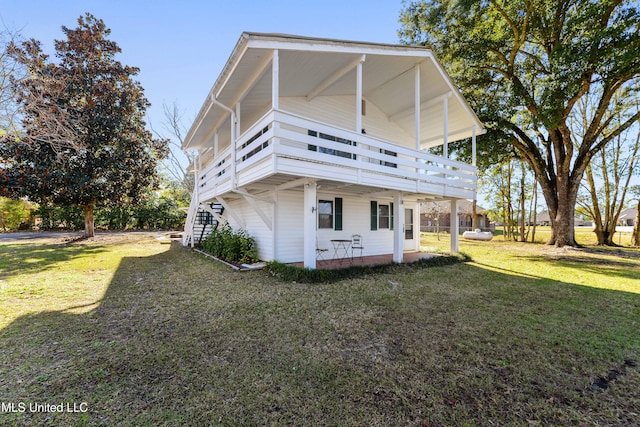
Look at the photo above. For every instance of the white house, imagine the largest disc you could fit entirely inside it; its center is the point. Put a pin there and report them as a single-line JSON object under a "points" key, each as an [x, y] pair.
{"points": [[302, 141]]}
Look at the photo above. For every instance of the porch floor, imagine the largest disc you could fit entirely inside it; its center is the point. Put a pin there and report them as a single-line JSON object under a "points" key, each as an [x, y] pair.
{"points": [[332, 264]]}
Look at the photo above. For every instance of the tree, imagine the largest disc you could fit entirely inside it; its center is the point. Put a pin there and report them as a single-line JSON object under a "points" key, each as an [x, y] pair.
{"points": [[608, 177], [97, 150], [177, 174], [524, 65]]}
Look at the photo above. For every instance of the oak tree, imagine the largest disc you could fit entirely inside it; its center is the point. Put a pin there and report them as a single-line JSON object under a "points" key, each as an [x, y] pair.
{"points": [[524, 65]]}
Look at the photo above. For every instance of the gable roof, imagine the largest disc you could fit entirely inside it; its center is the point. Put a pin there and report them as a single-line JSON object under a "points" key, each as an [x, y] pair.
{"points": [[307, 62]]}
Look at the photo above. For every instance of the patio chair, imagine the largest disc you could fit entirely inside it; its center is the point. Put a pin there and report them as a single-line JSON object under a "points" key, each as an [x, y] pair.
{"points": [[320, 252], [356, 244]]}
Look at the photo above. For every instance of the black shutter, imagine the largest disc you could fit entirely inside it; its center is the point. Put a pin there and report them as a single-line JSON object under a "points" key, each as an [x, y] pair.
{"points": [[374, 215], [338, 213]]}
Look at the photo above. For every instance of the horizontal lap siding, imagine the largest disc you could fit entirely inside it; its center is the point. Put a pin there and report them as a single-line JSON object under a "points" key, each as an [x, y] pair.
{"points": [[254, 225], [289, 226], [340, 111], [355, 214]]}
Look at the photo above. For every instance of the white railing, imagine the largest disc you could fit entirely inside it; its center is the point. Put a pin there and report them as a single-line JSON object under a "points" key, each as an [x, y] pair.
{"points": [[287, 135]]}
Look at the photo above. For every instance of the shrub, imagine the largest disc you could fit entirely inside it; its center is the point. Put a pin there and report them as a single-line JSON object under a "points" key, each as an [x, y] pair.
{"points": [[291, 273], [232, 246]]}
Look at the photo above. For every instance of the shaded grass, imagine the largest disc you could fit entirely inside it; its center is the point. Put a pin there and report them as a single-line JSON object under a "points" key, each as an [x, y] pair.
{"points": [[519, 336]]}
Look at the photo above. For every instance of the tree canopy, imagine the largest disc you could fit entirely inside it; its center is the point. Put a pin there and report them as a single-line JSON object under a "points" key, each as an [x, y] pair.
{"points": [[83, 140], [524, 65]]}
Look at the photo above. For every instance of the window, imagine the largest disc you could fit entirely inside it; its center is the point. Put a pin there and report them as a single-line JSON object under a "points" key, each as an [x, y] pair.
{"points": [[330, 213], [389, 153], [259, 147], [330, 150], [383, 216], [325, 214]]}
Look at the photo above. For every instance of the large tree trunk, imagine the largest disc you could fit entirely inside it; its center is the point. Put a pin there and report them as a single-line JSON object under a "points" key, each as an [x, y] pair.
{"points": [[89, 230], [562, 205], [635, 238]]}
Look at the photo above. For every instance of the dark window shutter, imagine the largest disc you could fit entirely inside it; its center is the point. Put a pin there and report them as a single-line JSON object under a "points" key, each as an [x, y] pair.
{"points": [[391, 216], [338, 213], [374, 215]]}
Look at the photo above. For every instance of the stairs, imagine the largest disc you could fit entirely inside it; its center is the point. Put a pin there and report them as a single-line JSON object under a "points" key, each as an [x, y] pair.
{"points": [[204, 222]]}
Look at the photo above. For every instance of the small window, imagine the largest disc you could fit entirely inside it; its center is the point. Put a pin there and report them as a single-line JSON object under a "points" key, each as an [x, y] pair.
{"points": [[383, 216], [325, 214]]}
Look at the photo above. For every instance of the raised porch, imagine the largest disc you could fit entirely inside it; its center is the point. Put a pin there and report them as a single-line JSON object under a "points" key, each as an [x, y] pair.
{"points": [[281, 148]]}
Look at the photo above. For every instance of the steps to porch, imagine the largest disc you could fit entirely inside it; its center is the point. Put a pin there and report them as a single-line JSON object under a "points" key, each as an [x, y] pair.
{"points": [[203, 220]]}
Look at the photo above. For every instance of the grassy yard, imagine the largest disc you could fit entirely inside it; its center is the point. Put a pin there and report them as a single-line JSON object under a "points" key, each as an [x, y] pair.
{"points": [[137, 331]]}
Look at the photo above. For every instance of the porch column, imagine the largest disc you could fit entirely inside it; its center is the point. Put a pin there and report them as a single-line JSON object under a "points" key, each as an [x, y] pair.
{"points": [[417, 104], [445, 106], [309, 218], [473, 146], [416, 226], [398, 227], [454, 226], [275, 80], [359, 97], [216, 144]]}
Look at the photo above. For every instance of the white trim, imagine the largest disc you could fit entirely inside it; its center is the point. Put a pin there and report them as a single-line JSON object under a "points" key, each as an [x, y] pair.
{"points": [[275, 79], [335, 77]]}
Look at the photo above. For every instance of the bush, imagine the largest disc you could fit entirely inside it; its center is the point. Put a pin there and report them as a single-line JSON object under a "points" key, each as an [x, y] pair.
{"points": [[291, 273], [232, 246]]}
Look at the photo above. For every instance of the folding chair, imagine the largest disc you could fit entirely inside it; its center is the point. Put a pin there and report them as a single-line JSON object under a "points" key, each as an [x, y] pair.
{"points": [[356, 244]]}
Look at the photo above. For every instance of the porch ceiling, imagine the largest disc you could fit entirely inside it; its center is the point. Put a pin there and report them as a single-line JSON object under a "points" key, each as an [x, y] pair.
{"points": [[388, 82]]}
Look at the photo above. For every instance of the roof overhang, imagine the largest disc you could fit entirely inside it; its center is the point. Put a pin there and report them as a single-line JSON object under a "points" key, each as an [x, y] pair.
{"points": [[312, 67]]}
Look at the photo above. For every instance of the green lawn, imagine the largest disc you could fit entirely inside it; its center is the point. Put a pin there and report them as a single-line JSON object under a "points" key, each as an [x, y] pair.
{"points": [[148, 333]]}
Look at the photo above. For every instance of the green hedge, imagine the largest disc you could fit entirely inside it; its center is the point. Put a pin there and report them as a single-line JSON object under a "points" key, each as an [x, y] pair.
{"points": [[291, 273], [235, 246]]}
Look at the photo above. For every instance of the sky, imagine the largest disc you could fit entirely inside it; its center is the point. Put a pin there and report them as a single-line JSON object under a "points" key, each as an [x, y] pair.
{"points": [[181, 46]]}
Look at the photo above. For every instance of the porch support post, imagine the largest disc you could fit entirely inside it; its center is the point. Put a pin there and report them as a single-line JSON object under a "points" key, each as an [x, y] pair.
{"points": [[416, 226], [275, 80], [417, 105], [359, 95], [445, 106], [398, 225], [473, 146], [309, 218], [454, 226], [216, 145]]}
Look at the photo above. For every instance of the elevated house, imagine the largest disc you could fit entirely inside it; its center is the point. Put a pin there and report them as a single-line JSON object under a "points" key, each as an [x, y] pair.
{"points": [[436, 216], [306, 141]]}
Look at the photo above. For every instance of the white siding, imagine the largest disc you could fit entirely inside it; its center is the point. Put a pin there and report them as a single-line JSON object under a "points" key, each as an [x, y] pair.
{"points": [[289, 226], [356, 213], [340, 111], [254, 224]]}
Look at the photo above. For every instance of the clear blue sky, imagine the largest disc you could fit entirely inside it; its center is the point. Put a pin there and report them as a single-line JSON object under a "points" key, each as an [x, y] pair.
{"points": [[181, 46]]}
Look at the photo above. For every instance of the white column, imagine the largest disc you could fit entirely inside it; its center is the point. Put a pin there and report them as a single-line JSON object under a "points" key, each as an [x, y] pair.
{"points": [[445, 107], [359, 97], [216, 144], [398, 227], [473, 147], [454, 226], [232, 146], [309, 218], [416, 226], [417, 104], [275, 80]]}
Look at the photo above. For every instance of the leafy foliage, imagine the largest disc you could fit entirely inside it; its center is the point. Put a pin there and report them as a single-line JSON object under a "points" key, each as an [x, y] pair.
{"points": [[156, 213], [291, 273], [524, 65], [231, 245], [109, 156], [14, 213]]}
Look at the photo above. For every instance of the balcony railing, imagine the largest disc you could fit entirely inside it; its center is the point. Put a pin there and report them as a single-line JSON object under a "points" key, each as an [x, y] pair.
{"points": [[287, 135]]}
